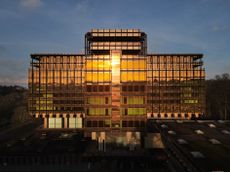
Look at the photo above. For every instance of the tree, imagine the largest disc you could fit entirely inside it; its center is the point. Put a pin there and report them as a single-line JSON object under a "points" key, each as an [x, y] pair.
{"points": [[218, 97]]}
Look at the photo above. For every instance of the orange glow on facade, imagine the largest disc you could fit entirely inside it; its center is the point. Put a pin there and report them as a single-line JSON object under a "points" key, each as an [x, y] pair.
{"points": [[115, 84]]}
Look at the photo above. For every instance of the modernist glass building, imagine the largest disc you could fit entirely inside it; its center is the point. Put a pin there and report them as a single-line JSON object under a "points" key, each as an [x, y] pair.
{"points": [[115, 84]]}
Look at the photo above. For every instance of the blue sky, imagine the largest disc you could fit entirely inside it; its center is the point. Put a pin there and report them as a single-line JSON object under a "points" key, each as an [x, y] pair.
{"points": [[58, 26]]}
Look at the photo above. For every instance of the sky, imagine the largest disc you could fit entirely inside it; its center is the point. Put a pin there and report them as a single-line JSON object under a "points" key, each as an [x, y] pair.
{"points": [[58, 26]]}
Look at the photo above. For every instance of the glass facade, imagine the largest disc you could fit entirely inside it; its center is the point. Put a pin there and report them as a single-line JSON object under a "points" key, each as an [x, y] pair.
{"points": [[115, 84], [115, 60], [55, 88], [176, 86]]}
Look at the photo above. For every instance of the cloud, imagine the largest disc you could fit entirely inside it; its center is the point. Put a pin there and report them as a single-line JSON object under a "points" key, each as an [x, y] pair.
{"points": [[31, 4], [82, 6], [222, 29], [2, 49], [13, 81], [13, 72]]}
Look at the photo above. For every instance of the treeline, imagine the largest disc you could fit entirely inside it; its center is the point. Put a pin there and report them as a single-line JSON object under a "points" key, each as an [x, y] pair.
{"points": [[13, 105], [218, 97]]}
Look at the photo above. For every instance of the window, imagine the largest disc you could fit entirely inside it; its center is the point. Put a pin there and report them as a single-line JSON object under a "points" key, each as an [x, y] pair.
{"points": [[106, 111], [136, 124], [123, 64], [135, 76], [89, 124], [98, 100], [106, 77], [107, 123], [142, 64], [125, 100], [97, 111], [134, 100], [142, 124], [88, 76], [107, 88], [124, 123], [123, 76], [130, 123], [94, 88], [142, 76], [94, 124], [126, 111], [100, 88], [136, 111], [130, 88], [101, 123], [55, 122], [98, 77], [142, 88], [88, 64], [129, 76], [191, 101], [106, 100], [133, 64], [75, 122], [124, 88]]}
